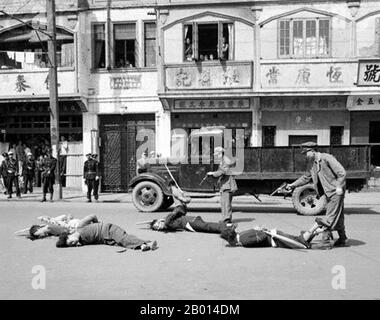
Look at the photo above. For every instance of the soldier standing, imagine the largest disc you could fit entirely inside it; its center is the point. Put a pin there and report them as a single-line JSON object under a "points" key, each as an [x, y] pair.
{"points": [[10, 169], [3, 172], [97, 181], [28, 171], [49, 163], [90, 174], [226, 182]]}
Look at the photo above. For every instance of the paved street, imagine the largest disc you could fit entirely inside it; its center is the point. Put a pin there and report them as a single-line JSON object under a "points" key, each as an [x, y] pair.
{"points": [[188, 265]]}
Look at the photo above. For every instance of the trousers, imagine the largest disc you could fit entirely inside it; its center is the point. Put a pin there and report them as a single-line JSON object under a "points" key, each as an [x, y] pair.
{"points": [[335, 215], [226, 205], [92, 185], [199, 225], [118, 236]]}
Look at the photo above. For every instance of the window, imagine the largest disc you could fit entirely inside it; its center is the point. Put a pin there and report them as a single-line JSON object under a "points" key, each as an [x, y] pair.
{"points": [[150, 44], [304, 38], [336, 135], [208, 41], [125, 45], [269, 135], [25, 48], [99, 46], [298, 140]]}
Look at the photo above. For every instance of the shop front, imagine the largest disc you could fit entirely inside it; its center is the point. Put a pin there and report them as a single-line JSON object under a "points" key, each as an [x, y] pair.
{"points": [[287, 121]]}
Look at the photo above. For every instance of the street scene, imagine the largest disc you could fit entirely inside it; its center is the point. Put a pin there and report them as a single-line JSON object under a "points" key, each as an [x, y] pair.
{"points": [[178, 150], [197, 265]]}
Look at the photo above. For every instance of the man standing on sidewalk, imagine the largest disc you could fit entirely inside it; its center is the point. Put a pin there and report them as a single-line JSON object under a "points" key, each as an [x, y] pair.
{"points": [[28, 172], [226, 182], [49, 163], [91, 174], [11, 170], [97, 181], [328, 177]]}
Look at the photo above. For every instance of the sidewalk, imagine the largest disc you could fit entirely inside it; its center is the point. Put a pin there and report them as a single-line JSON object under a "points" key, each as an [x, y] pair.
{"points": [[74, 195]]}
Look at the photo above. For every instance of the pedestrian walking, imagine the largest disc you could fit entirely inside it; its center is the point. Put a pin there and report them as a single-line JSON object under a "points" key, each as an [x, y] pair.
{"points": [[49, 165], [329, 178], [226, 183], [28, 172], [91, 175]]}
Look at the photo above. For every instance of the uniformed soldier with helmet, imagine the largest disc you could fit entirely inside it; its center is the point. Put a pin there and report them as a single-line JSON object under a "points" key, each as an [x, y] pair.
{"points": [[91, 175], [97, 181], [49, 164], [3, 172], [11, 171]]}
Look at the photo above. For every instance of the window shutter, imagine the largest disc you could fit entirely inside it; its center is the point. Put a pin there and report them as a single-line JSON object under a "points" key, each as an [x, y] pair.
{"points": [[125, 31]]}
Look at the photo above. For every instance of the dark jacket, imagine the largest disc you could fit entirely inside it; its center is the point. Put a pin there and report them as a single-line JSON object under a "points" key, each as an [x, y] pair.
{"points": [[90, 169], [48, 167], [9, 167], [29, 167], [326, 170]]}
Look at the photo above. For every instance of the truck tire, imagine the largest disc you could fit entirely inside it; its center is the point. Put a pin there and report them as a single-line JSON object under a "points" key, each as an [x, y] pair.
{"points": [[147, 196], [307, 202], [168, 201]]}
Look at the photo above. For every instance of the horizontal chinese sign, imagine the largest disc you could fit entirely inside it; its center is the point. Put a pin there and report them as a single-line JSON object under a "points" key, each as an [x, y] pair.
{"points": [[126, 82], [211, 104], [209, 75], [369, 73], [35, 83], [303, 103], [364, 102], [308, 75]]}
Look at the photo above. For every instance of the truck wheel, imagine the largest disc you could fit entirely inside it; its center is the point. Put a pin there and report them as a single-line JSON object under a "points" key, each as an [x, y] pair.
{"points": [[147, 196], [168, 201], [307, 202]]}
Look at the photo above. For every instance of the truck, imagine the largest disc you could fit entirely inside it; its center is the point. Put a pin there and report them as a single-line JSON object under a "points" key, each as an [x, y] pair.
{"points": [[261, 171]]}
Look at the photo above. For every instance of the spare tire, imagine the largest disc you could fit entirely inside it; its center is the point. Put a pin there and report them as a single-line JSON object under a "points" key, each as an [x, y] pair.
{"points": [[307, 202], [147, 196]]}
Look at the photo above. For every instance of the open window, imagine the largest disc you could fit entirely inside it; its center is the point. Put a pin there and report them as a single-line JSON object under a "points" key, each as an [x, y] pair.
{"points": [[125, 45], [25, 48], [208, 41], [99, 46]]}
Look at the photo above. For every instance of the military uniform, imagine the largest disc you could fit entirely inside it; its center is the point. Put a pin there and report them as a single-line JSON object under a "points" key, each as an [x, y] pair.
{"points": [[10, 174], [28, 171], [48, 166], [227, 185], [97, 181], [91, 175]]}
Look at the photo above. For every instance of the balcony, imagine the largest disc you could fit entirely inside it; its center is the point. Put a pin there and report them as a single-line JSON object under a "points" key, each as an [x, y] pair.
{"points": [[203, 76]]}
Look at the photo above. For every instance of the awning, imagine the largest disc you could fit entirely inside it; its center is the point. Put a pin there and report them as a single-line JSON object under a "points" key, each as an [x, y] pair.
{"points": [[31, 36]]}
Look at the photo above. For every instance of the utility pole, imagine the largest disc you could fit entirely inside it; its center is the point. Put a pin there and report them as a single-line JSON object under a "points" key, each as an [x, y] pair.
{"points": [[53, 87]]}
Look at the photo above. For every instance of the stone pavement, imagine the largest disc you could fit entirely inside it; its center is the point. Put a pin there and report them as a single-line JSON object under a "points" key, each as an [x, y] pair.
{"points": [[364, 198]]}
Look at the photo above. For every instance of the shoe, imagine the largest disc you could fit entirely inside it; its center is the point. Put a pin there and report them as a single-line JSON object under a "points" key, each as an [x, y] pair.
{"points": [[302, 240], [341, 242], [89, 200], [145, 247], [9, 197], [154, 245], [43, 200]]}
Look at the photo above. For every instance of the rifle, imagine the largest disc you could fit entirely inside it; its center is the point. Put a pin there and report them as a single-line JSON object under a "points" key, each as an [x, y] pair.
{"points": [[204, 179], [281, 189]]}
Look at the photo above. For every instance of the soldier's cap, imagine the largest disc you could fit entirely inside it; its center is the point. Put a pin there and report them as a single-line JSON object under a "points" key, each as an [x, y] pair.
{"points": [[308, 146], [29, 154], [10, 152], [218, 150], [88, 154]]}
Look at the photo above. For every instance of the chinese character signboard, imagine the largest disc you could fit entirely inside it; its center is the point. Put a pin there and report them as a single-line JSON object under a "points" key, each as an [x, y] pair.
{"points": [[126, 82], [199, 104], [363, 103], [368, 73], [303, 103]]}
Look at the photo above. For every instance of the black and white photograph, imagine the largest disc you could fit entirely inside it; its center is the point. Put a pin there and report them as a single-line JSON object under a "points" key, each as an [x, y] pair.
{"points": [[188, 155]]}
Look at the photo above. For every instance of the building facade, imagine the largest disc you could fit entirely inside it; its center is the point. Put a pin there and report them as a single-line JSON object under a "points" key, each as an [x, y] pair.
{"points": [[276, 72]]}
